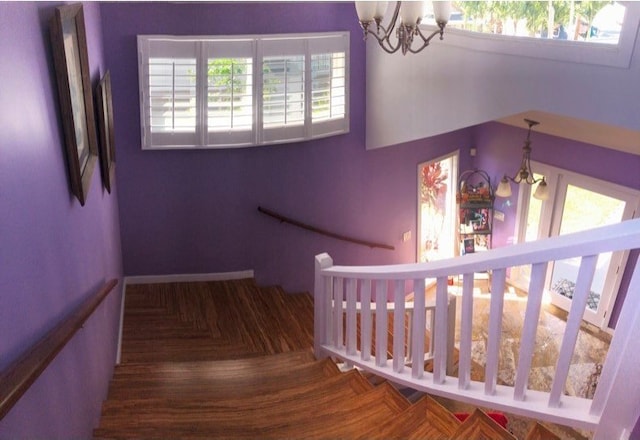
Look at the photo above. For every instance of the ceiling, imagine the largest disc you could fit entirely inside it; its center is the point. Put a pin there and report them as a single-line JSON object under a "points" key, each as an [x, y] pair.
{"points": [[595, 133]]}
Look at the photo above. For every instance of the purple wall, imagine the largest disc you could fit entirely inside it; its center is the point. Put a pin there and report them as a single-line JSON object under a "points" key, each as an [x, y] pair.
{"points": [[500, 151], [53, 252], [196, 211]]}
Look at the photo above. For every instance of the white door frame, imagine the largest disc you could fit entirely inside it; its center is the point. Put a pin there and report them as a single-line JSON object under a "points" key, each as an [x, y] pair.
{"points": [[549, 225]]}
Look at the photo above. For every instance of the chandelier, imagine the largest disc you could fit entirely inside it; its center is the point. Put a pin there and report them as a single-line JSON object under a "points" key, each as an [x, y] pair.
{"points": [[408, 29], [525, 174]]}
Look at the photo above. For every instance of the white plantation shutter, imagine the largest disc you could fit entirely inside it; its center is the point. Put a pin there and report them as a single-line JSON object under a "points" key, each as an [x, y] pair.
{"points": [[329, 97], [283, 89], [328, 93], [231, 100], [241, 91], [169, 96]]}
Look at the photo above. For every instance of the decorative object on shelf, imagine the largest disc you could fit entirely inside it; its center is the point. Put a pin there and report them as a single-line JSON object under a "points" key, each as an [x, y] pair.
{"points": [[525, 174], [475, 198], [105, 129], [69, 43], [407, 16]]}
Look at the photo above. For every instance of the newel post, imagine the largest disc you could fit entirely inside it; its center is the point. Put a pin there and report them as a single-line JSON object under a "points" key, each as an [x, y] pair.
{"points": [[617, 397], [321, 304]]}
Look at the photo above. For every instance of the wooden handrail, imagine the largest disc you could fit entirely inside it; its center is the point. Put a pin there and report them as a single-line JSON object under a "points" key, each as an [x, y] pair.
{"points": [[16, 379], [284, 219]]}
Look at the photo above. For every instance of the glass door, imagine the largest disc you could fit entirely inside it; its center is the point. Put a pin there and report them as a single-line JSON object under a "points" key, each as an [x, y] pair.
{"points": [[579, 208], [437, 208], [576, 203]]}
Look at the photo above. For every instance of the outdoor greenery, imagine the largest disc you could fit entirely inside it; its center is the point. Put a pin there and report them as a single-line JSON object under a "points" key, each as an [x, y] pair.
{"points": [[543, 18], [227, 78]]}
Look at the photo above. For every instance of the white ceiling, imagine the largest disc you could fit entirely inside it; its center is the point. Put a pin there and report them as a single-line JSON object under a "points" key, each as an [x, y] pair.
{"points": [[595, 133]]}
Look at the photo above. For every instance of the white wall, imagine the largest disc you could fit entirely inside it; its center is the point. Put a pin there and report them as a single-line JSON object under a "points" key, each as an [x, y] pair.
{"points": [[450, 85]]}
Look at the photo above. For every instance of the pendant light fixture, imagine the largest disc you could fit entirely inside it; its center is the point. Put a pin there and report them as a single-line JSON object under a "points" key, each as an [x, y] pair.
{"points": [[405, 20], [525, 174]]}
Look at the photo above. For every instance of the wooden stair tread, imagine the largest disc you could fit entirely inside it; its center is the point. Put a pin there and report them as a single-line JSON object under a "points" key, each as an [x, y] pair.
{"points": [[441, 417], [259, 365], [315, 392], [167, 379], [479, 426], [289, 419], [541, 432], [412, 423]]}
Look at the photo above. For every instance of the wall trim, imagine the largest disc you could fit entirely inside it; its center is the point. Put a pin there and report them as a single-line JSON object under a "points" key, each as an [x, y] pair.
{"points": [[172, 278], [119, 349]]}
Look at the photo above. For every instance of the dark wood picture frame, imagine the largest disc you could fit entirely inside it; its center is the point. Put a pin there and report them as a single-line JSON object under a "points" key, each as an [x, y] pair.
{"points": [[71, 60], [105, 130]]}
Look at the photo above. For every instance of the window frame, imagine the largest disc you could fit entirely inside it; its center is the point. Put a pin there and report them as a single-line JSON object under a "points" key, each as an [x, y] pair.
{"points": [[256, 47], [618, 55]]}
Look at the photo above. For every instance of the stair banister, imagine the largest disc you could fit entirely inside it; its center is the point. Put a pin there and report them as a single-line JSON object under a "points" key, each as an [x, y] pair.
{"points": [[616, 396]]}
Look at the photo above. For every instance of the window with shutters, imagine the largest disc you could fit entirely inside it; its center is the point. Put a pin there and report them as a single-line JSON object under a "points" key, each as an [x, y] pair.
{"points": [[220, 92]]}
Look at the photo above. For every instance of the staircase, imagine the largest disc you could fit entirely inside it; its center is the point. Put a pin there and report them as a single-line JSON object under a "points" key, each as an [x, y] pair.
{"points": [[229, 359]]}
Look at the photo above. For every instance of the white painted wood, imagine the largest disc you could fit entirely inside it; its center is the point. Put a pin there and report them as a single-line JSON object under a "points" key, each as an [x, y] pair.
{"points": [[466, 317], [441, 327], [365, 320], [574, 411], [328, 307], [578, 304], [338, 312], [381, 323], [451, 333], [495, 330], [624, 235], [352, 330], [617, 396], [322, 301], [529, 327], [398, 326], [417, 329], [430, 312], [186, 278], [120, 324]]}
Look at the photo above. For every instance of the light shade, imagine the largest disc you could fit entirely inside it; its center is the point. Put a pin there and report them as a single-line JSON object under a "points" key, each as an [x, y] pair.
{"points": [[381, 8], [441, 11], [542, 191], [504, 188], [365, 11], [411, 12]]}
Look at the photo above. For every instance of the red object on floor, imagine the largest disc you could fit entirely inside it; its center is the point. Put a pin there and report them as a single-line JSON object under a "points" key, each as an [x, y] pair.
{"points": [[499, 418]]}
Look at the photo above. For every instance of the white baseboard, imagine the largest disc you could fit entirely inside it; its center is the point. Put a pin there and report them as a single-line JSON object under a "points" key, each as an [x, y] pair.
{"points": [[175, 278], [195, 277], [119, 352]]}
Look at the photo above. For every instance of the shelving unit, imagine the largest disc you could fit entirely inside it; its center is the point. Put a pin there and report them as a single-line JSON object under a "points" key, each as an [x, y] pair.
{"points": [[475, 199]]}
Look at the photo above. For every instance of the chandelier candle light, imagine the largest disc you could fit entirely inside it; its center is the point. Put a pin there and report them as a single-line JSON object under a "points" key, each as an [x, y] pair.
{"points": [[524, 174], [410, 14]]}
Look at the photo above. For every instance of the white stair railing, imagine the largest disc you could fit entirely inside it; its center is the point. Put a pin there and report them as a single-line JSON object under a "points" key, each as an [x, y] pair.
{"points": [[348, 295]]}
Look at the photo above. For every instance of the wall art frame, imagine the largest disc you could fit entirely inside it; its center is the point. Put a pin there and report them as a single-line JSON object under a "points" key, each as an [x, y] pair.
{"points": [[71, 60], [105, 130]]}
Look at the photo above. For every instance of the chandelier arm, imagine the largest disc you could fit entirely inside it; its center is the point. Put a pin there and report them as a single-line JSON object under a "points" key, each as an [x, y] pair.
{"points": [[394, 19], [387, 32], [381, 40], [426, 40]]}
